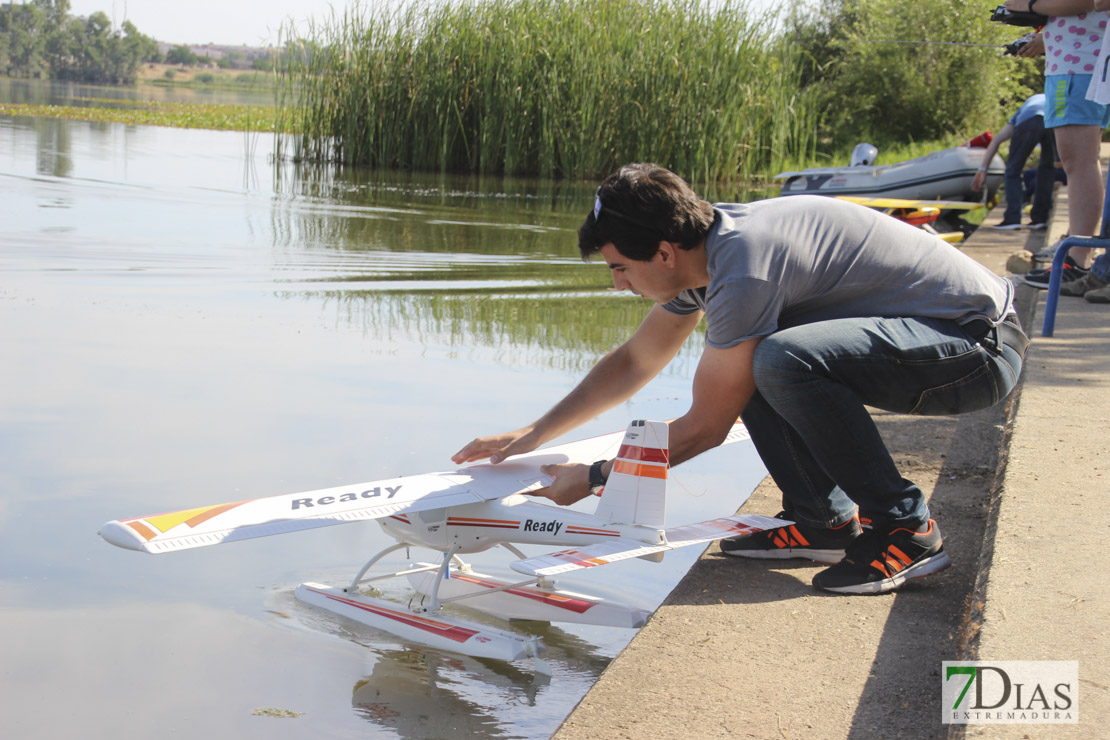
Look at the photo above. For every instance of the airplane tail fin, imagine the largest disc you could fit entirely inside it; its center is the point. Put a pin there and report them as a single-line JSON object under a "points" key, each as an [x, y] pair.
{"points": [[636, 491]]}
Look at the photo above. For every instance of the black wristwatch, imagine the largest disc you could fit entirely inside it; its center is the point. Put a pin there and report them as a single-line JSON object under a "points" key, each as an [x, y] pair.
{"points": [[597, 480]]}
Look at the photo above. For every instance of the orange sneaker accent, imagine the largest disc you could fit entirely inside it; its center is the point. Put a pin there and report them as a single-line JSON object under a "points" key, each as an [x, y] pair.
{"points": [[893, 550], [799, 538], [790, 537]]}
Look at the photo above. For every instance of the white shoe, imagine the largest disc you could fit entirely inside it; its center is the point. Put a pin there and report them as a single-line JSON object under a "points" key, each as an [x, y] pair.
{"points": [[1046, 254]]}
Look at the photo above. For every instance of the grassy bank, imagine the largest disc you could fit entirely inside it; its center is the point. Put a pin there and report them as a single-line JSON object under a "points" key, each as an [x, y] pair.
{"points": [[148, 113], [174, 75], [555, 88]]}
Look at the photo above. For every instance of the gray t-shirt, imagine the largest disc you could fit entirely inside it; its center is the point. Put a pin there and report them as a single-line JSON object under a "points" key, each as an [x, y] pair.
{"points": [[784, 262]]}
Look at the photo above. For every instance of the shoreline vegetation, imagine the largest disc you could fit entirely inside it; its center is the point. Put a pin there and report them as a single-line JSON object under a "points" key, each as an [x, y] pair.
{"points": [[574, 88], [571, 89], [550, 88], [214, 116]]}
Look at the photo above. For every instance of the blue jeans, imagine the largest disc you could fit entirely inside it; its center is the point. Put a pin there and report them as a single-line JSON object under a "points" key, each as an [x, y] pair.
{"points": [[1024, 140], [1101, 267], [808, 421]]}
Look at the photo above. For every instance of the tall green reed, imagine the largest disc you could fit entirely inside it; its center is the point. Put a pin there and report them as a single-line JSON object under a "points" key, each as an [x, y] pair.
{"points": [[556, 88]]}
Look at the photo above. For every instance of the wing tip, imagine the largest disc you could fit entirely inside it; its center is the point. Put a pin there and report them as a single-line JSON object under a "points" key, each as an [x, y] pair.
{"points": [[120, 535]]}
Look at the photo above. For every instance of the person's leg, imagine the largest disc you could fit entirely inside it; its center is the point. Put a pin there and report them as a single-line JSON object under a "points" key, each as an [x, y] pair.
{"points": [[1101, 267], [1024, 139], [824, 518], [1079, 149], [818, 377], [1077, 124], [1046, 176], [810, 497]]}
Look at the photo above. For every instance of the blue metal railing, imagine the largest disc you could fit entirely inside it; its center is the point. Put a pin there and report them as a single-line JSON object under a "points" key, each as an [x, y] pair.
{"points": [[1055, 276]]}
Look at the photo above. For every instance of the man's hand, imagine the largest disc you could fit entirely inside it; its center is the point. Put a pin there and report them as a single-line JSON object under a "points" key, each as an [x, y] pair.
{"points": [[978, 181], [497, 447], [572, 483]]}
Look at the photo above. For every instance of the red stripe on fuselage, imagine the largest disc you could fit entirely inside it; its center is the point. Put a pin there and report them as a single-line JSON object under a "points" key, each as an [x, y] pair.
{"points": [[571, 529], [457, 521]]}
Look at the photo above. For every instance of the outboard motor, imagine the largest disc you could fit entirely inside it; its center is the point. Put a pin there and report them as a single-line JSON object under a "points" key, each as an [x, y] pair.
{"points": [[864, 155]]}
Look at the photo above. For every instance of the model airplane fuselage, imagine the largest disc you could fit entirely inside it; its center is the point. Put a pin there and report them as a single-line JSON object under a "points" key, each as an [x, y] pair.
{"points": [[469, 510], [478, 527]]}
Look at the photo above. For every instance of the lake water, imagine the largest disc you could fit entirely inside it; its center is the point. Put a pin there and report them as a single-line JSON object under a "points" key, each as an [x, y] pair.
{"points": [[183, 322]]}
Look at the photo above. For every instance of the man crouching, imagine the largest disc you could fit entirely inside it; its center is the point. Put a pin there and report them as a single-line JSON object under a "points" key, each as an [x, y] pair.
{"points": [[815, 308]]}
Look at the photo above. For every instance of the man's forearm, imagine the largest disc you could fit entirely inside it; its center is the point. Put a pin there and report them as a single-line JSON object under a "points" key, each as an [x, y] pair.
{"points": [[620, 374], [1053, 8], [613, 380]]}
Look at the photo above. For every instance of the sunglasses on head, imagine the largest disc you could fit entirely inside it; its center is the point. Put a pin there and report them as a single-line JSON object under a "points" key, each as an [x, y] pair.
{"points": [[599, 208]]}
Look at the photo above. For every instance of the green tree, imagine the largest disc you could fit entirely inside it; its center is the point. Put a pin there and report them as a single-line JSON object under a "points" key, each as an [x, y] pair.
{"points": [[41, 36], [24, 28], [139, 46], [55, 11], [888, 71], [63, 47], [181, 55]]}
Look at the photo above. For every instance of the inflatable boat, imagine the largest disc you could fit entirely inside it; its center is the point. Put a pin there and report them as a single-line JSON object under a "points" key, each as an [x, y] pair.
{"points": [[943, 175]]}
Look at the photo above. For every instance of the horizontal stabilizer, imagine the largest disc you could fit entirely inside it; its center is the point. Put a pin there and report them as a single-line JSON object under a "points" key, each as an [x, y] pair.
{"points": [[604, 553], [738, 433]]}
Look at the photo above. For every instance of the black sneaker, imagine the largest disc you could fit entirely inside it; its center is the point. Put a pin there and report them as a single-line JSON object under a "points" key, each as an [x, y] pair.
{"points": [[794, 541], [1040, 278], [878, 562]]}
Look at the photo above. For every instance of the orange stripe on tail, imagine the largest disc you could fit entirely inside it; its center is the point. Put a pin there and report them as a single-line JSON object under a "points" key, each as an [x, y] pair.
{"points": [[640, 471]]}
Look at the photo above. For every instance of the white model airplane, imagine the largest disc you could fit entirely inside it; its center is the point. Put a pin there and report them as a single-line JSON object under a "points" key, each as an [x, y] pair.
{"points": [[469, 510]]}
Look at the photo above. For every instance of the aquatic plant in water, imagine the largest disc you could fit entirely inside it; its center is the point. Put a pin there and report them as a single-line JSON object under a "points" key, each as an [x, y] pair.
{"points": [[254, 118]]}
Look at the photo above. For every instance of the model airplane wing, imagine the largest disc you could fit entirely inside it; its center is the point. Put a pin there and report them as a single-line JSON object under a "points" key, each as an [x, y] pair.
{"points": [[604, 553], [240, 520]]}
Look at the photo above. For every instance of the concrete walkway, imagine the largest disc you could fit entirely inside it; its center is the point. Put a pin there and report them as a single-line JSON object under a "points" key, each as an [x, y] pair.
{"points": [[748, 649]]}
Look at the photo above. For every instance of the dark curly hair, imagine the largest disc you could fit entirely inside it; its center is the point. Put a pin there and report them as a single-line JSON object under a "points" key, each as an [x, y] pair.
{"points": [[640, 205]]}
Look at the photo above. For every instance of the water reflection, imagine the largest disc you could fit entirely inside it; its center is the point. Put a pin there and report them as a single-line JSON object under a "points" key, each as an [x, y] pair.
{"points": [[413, 693], [527, 327], [53, 147], [185, 323]]}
